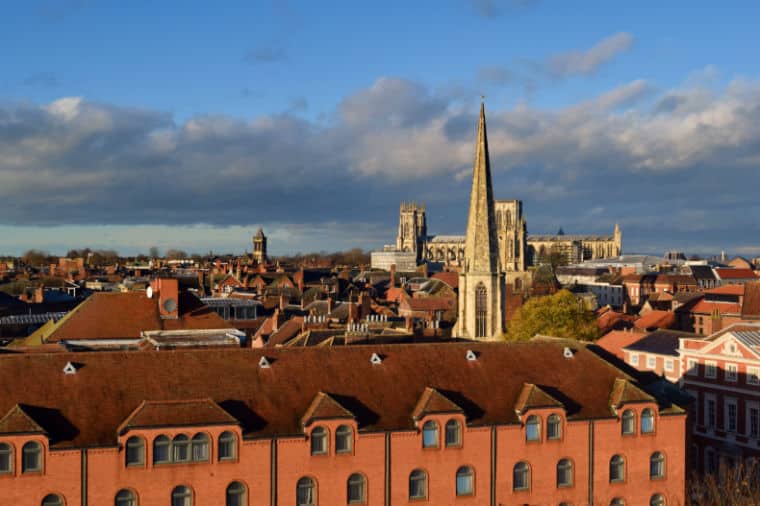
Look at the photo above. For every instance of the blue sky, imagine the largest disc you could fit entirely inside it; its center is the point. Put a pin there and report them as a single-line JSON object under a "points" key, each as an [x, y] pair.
{"points": [[190, 124]]}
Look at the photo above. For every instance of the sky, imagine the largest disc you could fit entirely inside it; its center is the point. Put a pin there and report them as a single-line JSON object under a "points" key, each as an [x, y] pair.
{"points": [[127, 125]]}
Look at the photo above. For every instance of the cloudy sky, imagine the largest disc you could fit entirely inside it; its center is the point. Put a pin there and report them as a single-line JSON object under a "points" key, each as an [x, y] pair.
{"points": [[190, 124]]}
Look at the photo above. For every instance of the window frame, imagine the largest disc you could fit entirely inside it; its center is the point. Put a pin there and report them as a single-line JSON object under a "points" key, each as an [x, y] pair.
{"points": [[628, 417], [199, 441], [166, 441], [533, 422], [305, 482], [7, 450], [58, 498], [657, 459], [466, 472], [132, 497], [727, 418], [233, 444], [361, 481], [749, 407], [322, 437], [753, 375], [418, 475], [186, 491], [659, 498], [649, 414], [140, 444], [618, 460], [692, 366], [567, 468], [453, 426], [344, 433], [40, 465], [430, 429], [243, 493], [653, 359], [525, 479], [181, 442], [731, 373], [711, 369], [554, 420]]}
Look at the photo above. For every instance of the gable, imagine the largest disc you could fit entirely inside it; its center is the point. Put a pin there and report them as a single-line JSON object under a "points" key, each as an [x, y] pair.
{"points": [[724, 344]]}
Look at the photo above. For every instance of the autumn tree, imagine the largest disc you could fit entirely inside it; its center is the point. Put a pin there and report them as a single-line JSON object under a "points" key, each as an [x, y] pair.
{"points": [[559, 315]]}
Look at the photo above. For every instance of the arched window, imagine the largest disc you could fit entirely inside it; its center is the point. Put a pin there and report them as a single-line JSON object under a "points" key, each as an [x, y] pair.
{"points": [[521, 476], [430, 434], [6, 458], [344, 438], [180, 448], [182, 496], [453, 433], [319, 441], [657, 500], [617, 502], [236, 494], [418, 484], [200, 447], [227, 445], [305, 493], [135, 451], [508, 220], [629, 422], [125, 498], [161, 450], [647, 421], [356, 489], [52, 500], [657, 465], [554, 427], [481, 310], [465, 481], [565, 473], [617, 469], [31, 457], [533, 428]]}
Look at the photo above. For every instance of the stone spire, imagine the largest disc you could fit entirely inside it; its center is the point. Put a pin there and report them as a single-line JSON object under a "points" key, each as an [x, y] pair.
{"points": [[481, 246]]}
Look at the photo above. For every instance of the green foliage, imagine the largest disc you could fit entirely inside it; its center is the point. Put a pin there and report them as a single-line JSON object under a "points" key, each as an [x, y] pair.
{"points": [[559, 315]]}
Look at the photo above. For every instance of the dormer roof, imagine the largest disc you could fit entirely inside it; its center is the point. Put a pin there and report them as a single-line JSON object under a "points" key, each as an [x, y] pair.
{"points": [[623, 391], [176, 413], [534, 397], [325, 407], [18, 421], [434, 402]]}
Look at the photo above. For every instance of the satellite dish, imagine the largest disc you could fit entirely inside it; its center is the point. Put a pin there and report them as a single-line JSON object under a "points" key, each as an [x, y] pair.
{"points": [[149, 292], [170, 305]]}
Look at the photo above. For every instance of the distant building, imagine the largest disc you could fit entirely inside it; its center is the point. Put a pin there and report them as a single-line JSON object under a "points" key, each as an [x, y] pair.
{"points": [[260, 247], [405, 261]]}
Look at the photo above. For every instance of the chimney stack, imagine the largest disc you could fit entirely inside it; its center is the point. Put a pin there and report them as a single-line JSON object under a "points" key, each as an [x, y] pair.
{"points": [[393, 276]]}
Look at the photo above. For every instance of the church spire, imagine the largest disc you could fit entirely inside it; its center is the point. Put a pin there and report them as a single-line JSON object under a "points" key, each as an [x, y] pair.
{"points": [[481, 246]]}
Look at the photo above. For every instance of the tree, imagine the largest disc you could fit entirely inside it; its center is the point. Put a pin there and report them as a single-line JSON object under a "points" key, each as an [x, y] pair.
{"points": [[735, 485], [175, 254], [35, 257], [559, 315], [153, 252]]}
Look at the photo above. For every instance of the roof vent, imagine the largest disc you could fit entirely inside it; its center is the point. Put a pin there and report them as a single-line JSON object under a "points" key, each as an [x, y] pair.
{"points": [[264, 363], [567, 352], [471, 355], [375, 359], [69, 368]]}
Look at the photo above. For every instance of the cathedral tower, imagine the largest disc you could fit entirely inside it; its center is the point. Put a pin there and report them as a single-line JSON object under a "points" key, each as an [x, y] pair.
{"points": [[259, 247], [481, 280], [412, 228]]}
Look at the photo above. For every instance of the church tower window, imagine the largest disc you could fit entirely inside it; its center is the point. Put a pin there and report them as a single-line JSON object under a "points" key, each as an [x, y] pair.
{"points": [[481, 311]]}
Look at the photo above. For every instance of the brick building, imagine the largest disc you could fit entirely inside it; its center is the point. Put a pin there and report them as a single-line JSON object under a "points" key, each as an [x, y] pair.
{"points": [[471, 423]]}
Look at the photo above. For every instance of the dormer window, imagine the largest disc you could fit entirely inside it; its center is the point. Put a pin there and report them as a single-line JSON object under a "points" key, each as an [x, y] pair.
{"points": [[647, 421], [453, 433], [344, 436], [181, 448], [629, 423], [161, 450], [135, 451], [6, 458], [554, 427], [31, 457], [319, 441], [533, 428], [430, 434], [199, 446], [227, 446]]}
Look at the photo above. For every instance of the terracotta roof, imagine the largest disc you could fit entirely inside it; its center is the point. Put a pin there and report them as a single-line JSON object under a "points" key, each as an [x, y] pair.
{"points": [[656, 319], [614, 342], [609, 320], [624, 391], [736, 273], [286, 332], [428, 304], [751, 304], [707, 307], [86, 408], [17, 421], [432, 401], [176, 413], [324, 407], [448, 277], [532, 396], [396, 294], [125, 315], [727, 290], [662, 342]]}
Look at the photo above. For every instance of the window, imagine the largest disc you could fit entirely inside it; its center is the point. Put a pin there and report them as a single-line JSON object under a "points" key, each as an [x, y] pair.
{"points": [[651, 362], [710, 411], [344, 437], [753, 419], [564, 473], [6, 458], [227, 445], [634, 359], [31, 457], [533, 428], [453, 433], [753, 376], [180, 448], [521, 476], [161, 450], [710, 370], [731, 415], [710, 464], [200, 447], [305, 495], [481, 310], [657, 465], [356, 489], [692, 367], [465, 481], [554, 427], [732, 372], [617, 469], [629, 422], [418, 484], [52, 500], [657, 500], [319, 441], [430, 434], [669, 365], [617, 502], [135, 451], [125, 498], [647, 421], [182, 496], [236, 494]]}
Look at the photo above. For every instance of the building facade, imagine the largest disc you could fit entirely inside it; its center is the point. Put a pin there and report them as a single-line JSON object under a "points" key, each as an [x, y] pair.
{"points": [[371, 425], [260, 247]]}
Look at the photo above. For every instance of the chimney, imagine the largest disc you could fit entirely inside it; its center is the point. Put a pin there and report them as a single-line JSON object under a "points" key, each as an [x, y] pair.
{"points": [[393, 276], [425, 270], [409, 323], [300, 280], [39, 295], [329, 306], [168, 297], [283, 302], [353, 311], [365, 305], [277, 319]]}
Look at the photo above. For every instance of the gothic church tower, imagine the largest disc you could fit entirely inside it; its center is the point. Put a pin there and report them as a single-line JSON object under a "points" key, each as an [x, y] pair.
{"points": [[481, 280]]}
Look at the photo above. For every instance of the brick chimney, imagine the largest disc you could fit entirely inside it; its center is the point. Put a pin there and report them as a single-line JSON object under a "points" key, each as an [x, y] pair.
{"points": [[365, 305], [283, 302], [168, 297], [299, 278], [353, 312], [393, 276], [39, 295], [329, 306], [425, 270]]}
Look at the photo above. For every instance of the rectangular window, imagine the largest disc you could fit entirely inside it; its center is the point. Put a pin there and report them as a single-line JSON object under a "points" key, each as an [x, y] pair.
{"points": [[709, 411], [711, 370], [692, 367], [634, 359], [731, 412], [669, 365], [651, 362], [753, 420], [732, 372], [753, 376]]}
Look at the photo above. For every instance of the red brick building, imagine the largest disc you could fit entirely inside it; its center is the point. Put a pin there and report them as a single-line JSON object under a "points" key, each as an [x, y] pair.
{"points": [[472, 423]]}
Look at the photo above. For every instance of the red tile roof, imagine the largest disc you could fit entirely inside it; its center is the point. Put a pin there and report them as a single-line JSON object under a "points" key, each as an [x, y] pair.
{"points": [[177, 413], [707, 307], [432, 401], [532, 396], [428, 304], [450, 278], [108, 386], [656, 319], [736, 273], [727, 290], [324, 407], [624, 391], [751, 304], [17, 421], [614, 342]]}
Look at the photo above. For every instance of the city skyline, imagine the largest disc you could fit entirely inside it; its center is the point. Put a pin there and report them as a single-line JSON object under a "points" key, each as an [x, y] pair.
{"points": [[597, 116]]}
